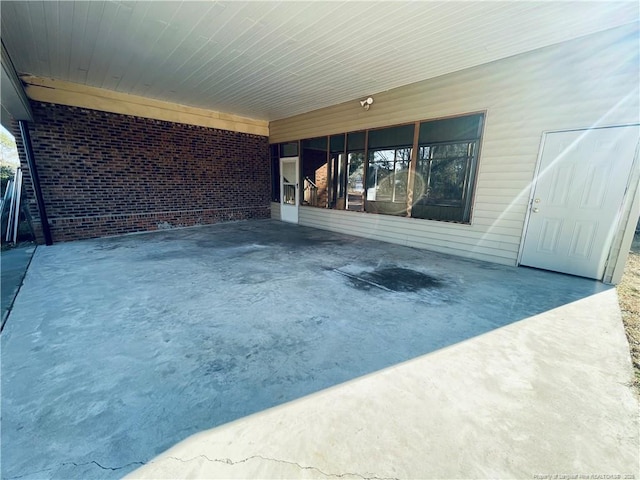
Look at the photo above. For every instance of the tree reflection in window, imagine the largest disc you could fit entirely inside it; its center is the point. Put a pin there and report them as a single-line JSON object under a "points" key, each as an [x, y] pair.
{"points": [[371, 169], [355, 182], [387, 175], [445, 170]]}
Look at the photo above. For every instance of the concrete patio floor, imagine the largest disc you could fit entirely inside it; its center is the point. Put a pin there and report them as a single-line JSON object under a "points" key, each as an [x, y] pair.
{"points": [[14, 263], [161, 356]]}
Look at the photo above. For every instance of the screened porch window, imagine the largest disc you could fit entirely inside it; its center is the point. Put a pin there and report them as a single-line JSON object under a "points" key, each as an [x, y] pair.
{"points": [[424, 169], [355, 171], [338, 171], [445, 168], [387, 180], [315, 172], [388, 160]]}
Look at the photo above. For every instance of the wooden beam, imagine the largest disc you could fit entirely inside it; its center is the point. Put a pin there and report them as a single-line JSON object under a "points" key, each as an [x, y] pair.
{"points": [[76, 95]]}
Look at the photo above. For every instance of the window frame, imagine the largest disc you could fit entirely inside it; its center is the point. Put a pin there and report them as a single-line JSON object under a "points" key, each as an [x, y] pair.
{"points": [[413, 207]]}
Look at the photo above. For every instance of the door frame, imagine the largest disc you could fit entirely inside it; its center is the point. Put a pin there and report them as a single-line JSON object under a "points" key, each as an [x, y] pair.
{"points": [[285, 206], [630, 199]]}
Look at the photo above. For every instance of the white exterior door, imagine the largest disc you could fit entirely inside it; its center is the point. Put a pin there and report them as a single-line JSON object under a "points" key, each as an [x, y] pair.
{"points": [[289, 191], [578, 194]]}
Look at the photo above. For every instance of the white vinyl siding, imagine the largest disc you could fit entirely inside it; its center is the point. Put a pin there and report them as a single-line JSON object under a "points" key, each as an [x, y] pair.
{"points": [[592, 81], [412, 232]]}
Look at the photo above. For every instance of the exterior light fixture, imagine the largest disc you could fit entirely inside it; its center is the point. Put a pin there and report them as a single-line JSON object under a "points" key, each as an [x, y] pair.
{"points": [[366, 103]]}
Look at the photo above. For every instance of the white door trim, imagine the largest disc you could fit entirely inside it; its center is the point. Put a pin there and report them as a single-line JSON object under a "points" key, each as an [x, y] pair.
{"points": [[622, 243], [289, 211], [532, 190], [630, 194]]}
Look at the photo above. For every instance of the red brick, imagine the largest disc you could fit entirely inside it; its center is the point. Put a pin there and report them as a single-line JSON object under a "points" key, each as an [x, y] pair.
{"points": [[106, 174]]}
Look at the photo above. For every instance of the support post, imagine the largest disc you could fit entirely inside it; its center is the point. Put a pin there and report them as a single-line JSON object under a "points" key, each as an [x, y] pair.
{"points": [[35, 179], [12, 204], [16, 212]]}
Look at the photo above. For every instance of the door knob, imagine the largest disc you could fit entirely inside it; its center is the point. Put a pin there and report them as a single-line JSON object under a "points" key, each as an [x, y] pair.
{"points": [[535, 210]]}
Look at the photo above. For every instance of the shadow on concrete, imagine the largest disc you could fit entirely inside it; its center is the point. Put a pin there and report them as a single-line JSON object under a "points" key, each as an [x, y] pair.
{"points": [[119, 348], [549, 393], [14, 263]]}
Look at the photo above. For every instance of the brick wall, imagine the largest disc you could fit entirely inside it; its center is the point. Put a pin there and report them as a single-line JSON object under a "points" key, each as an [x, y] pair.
{"points": [[107, 174]]}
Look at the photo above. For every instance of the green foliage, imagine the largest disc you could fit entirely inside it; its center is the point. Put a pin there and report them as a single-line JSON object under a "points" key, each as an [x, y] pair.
{"points": [[8, 158], [7, 173], [8, 150]]}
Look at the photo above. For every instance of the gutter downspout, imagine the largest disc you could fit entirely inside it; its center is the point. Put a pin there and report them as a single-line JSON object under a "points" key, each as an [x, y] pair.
{"points": [[35, 179]]}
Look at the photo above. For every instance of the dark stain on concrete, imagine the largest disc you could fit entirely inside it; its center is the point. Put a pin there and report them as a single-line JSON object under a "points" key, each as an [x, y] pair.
{"points": [[394, 279]]}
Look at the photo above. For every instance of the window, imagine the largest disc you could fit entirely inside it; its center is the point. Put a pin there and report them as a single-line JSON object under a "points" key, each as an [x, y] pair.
{"points": [[355, 171], [338, 171], [389, 156], [387, 175], [445, 169], [355, 182], [315, 172], [379, 171], [289, 149]]}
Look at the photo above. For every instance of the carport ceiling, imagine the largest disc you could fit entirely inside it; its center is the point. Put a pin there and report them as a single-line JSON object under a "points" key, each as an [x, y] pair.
{"points": [[273, 59]]}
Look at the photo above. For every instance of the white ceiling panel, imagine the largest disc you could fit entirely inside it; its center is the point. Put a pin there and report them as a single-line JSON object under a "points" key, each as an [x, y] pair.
{"points": [[274, 59]]}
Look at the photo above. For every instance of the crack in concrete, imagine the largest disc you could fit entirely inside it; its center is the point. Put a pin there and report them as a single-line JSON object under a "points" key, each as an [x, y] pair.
{"points": [[102, 467], [228, 461], [113, 469]]}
